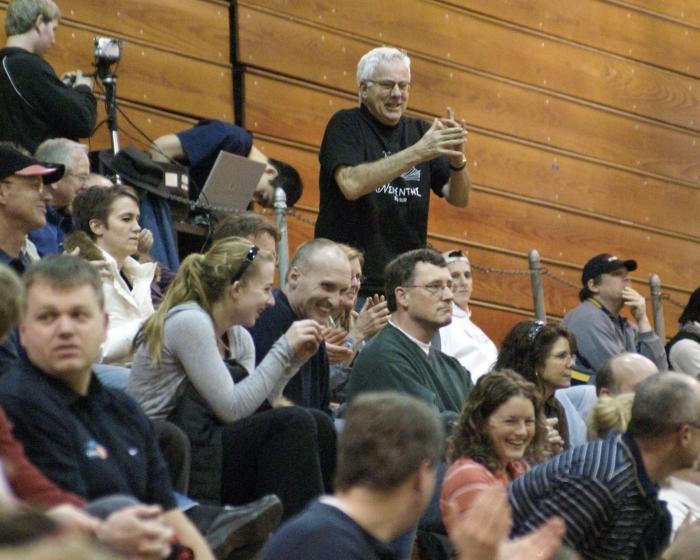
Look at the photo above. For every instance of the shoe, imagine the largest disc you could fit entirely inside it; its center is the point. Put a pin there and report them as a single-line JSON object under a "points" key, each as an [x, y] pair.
{"points": [[230, 528]]}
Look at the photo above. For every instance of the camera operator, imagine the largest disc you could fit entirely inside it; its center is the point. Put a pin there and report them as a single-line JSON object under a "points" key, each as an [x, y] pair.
{"points": [[36, 104]]}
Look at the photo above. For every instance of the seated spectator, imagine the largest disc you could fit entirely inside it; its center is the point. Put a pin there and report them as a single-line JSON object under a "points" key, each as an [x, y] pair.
{"points": [[26, 186], [610, 413], [318, 274], [349, 329], [59, 214], [606, 491], [542, 354], [97, 180], [251, 226], [462, 339], [680, 491], [86, 438], [180, 374], [622, 373], [387, 458], [110, 219], [619, 374], [683, 349], [199, 146], [401, 358], [601, 332], [501, 430]]}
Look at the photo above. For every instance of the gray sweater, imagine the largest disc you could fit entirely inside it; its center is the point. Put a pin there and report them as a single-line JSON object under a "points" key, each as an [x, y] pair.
{"points": [[600, 336], [190, 351]]}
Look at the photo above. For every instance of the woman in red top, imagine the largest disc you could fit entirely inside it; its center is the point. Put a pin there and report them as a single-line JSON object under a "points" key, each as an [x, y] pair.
{"points": [[501, 428]]}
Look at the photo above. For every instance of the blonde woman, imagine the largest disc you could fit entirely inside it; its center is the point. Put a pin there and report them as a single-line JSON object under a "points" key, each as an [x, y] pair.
{"points": [[180, 374]]}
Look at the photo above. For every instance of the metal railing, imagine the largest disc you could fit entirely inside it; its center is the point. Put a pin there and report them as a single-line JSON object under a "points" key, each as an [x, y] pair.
{"points": [[536, 271]]}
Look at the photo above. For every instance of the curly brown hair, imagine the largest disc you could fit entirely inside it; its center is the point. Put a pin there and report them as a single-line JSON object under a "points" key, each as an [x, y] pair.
{"points": [[470, 436]]}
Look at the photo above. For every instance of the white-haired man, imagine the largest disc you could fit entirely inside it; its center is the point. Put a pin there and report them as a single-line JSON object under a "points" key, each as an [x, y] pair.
{"points": [[378, 167], [59, 214]]}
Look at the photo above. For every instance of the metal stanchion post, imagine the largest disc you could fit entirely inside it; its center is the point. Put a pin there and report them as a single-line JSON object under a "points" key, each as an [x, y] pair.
{"points": [[657, 308], [283, 247], [533, 258]]}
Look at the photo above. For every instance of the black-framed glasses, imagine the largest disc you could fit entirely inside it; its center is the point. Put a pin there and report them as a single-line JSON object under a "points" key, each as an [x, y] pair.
{"points": [[535, 329], [249, 258], [433, 288]]}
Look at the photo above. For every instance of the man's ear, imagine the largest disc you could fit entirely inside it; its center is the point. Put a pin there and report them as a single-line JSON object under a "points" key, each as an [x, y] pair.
{"points": [[592, 286], [363, 90], [402, 297], [271, 171], [293, 277], [39, 20], [96, 227]]}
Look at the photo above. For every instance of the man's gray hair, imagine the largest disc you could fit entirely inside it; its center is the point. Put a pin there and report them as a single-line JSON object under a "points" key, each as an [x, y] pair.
{"points": [[662, 402], [21, 14], [369, 62], [59, 150]]}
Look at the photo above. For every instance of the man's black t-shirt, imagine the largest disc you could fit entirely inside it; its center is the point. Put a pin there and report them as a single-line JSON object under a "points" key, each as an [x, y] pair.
{"points": [[392, 219], [36, 105]]}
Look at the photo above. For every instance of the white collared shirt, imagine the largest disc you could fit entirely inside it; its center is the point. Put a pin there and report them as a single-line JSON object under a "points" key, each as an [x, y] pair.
{"points": [[463, 340]]}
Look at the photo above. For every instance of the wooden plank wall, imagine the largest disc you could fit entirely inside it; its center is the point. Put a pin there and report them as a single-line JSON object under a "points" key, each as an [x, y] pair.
{"points": [[169, 77], [583, 114]]}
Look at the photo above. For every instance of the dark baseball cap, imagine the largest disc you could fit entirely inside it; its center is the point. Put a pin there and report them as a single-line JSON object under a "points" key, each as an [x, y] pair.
{"points": [[605, 262], [14, 162]]}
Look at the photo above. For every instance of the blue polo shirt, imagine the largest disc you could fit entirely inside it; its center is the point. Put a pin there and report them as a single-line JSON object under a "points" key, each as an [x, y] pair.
{"points": [[49, 238], [94, 445]]}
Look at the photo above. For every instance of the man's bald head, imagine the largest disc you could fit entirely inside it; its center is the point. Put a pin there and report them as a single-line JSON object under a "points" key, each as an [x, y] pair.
{"points": [[622, 373]]}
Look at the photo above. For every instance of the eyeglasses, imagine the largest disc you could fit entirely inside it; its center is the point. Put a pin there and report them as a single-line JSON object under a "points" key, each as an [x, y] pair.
{"points": [[41, 187], [434, 288], [389, 85], [81, 177], [249, 258], [535, 329]]}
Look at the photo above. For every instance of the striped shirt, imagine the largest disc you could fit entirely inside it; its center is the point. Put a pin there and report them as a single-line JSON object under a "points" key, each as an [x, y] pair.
{"points": [[604, 495]]}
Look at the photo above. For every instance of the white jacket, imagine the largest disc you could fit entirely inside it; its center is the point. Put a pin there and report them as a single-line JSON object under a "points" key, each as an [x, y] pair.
{"points": [[127, 309]]}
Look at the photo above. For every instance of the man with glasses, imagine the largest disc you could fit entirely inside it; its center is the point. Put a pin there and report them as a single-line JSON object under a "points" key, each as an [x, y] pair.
{"points": [[378, 167], [59, 214], [25, 189], [400, 357], [607, 491], [601, 332]]}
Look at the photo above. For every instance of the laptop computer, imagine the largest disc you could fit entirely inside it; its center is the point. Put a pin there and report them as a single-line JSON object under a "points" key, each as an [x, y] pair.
{"points": [[231, 182]]}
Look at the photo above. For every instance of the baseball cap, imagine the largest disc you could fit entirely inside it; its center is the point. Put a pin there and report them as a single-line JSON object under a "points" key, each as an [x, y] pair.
{"points": [[605, 262], [14, 162]]}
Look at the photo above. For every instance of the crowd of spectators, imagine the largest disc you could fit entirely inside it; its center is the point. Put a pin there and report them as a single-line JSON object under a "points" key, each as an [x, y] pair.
{"points": [[155, 413]]}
